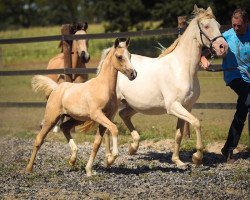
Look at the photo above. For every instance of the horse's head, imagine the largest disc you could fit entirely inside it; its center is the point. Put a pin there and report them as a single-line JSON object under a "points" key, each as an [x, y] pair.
{"points": [[122, 58], [81, 47], [208, 33]]}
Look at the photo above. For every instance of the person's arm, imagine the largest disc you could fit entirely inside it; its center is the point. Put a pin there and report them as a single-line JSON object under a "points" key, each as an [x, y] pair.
{"points": [[204, 62]]}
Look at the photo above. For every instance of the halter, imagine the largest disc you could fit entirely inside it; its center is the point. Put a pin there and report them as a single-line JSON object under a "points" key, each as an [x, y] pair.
{"points": [[210, 40]]}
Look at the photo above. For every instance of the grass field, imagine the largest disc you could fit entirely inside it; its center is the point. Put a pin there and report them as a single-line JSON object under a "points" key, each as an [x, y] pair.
{"points": [[24, 122]]}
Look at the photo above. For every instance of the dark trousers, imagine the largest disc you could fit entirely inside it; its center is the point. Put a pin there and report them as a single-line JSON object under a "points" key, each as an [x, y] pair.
{"points": [[242, 89]]}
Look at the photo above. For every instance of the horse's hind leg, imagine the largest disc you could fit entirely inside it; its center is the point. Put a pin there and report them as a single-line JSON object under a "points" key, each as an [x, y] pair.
{"points": [[47, 126], [98, 139], [186, 131], [178, 138], [126, 114], [66, 127], [56, 128]]}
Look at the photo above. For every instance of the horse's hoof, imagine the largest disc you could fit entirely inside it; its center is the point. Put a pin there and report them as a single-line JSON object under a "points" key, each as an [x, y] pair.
{"points": [[197, 161], [110, 160], [131, 150], [28, 170], [88, 172], [72, 162], [182, 166]]}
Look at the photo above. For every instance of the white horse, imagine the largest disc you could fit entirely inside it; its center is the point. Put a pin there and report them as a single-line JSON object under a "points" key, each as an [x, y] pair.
{"points": [[169, 83]]}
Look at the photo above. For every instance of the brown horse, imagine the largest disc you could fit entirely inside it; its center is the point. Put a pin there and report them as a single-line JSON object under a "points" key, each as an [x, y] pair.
{"points": [[94, 100], [79, 57]]}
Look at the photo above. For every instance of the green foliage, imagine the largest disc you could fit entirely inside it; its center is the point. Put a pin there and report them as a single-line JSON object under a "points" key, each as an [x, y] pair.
{"points": [[117, 14]]}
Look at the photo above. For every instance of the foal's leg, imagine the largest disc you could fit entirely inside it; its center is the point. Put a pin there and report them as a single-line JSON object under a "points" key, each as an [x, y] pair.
{"points": [[105, 122], [178, 110], [126, 114], [96, 146], [178, 138], [47, 126], [66, 127]]}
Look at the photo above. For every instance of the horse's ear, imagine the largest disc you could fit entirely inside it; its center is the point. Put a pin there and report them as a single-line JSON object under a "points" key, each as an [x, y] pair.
{"points": [[195, 8], [209, 10], [127, 42], [117, 41], [85, 27]]}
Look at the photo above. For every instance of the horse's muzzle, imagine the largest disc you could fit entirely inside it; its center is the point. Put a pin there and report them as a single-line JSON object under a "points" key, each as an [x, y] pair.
{"points": [[133, 75], [85, 57]]}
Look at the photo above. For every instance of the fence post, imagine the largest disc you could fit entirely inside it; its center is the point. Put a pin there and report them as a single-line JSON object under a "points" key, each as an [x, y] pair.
{"points": [[1, 57], [67, 46], [182, 24]]}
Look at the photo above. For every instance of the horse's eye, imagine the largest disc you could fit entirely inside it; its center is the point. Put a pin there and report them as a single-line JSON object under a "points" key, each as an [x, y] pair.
{"points": [[119, 57], [206, 27]]}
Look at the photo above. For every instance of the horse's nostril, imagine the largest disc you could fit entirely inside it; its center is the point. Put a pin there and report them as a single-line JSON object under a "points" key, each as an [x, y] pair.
{"points": [[221, 46]]}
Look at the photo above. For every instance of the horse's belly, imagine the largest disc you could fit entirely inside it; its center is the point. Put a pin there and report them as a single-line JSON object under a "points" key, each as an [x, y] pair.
{"points": [[153, 110], [151, 103]]}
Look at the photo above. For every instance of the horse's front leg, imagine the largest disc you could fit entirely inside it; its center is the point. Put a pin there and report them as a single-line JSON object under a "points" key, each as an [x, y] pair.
{"points": [[96, 146], [178, 110], [126, 114], [106, 123]]}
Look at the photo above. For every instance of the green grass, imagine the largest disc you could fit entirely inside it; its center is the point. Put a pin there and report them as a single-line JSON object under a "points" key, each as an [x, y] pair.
{"points": [[24, 122]]}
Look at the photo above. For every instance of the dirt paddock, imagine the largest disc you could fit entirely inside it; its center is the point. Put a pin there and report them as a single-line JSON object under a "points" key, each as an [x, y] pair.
{"points": [[148, 175]]}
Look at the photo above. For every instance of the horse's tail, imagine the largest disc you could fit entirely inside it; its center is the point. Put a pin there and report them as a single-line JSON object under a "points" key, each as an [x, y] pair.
{"points": [[43, 84], [86, 126], [170, 49]]}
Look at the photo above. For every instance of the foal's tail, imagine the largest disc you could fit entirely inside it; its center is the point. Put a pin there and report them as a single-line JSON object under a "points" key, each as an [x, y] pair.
{"points": [[43, 84], [88, 125]]}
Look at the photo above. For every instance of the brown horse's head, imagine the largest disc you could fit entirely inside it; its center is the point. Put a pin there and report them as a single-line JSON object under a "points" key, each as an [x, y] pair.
{"points": [[81, 47]]}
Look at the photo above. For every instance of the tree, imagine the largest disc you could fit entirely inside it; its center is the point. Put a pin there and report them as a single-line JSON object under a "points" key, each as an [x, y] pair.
{"points": [[122, 15]]}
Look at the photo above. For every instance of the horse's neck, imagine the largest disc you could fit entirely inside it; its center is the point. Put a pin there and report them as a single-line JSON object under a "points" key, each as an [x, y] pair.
{"points": [[188, 48], [108, 75]]}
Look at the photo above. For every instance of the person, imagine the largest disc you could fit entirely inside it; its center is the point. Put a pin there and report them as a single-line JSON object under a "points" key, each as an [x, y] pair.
{"points": [[238, 39]]}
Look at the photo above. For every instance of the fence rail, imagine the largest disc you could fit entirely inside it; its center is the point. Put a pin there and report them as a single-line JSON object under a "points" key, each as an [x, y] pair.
{"points": [[164, 31], [229, 106], [90, 70]]}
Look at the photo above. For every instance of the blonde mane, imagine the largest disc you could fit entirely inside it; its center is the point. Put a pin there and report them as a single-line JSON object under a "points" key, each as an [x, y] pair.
{"points": [[104, 55], [198, 13]]}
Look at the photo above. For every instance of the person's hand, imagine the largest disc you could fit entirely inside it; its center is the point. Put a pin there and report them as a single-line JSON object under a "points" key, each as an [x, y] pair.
{"points": [[204, 62]]}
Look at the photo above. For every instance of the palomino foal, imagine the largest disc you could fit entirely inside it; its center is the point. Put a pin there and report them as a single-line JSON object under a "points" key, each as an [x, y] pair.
{"points": [[94, 100]]}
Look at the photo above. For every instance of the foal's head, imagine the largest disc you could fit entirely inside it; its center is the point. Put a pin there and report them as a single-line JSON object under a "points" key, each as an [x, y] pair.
{"points": [[81, 46], [121, 58]]}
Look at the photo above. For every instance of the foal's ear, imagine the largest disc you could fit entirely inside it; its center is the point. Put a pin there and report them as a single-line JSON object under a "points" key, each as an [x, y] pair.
{"points": [[85, 26], [117, 41], [127, 42]]}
